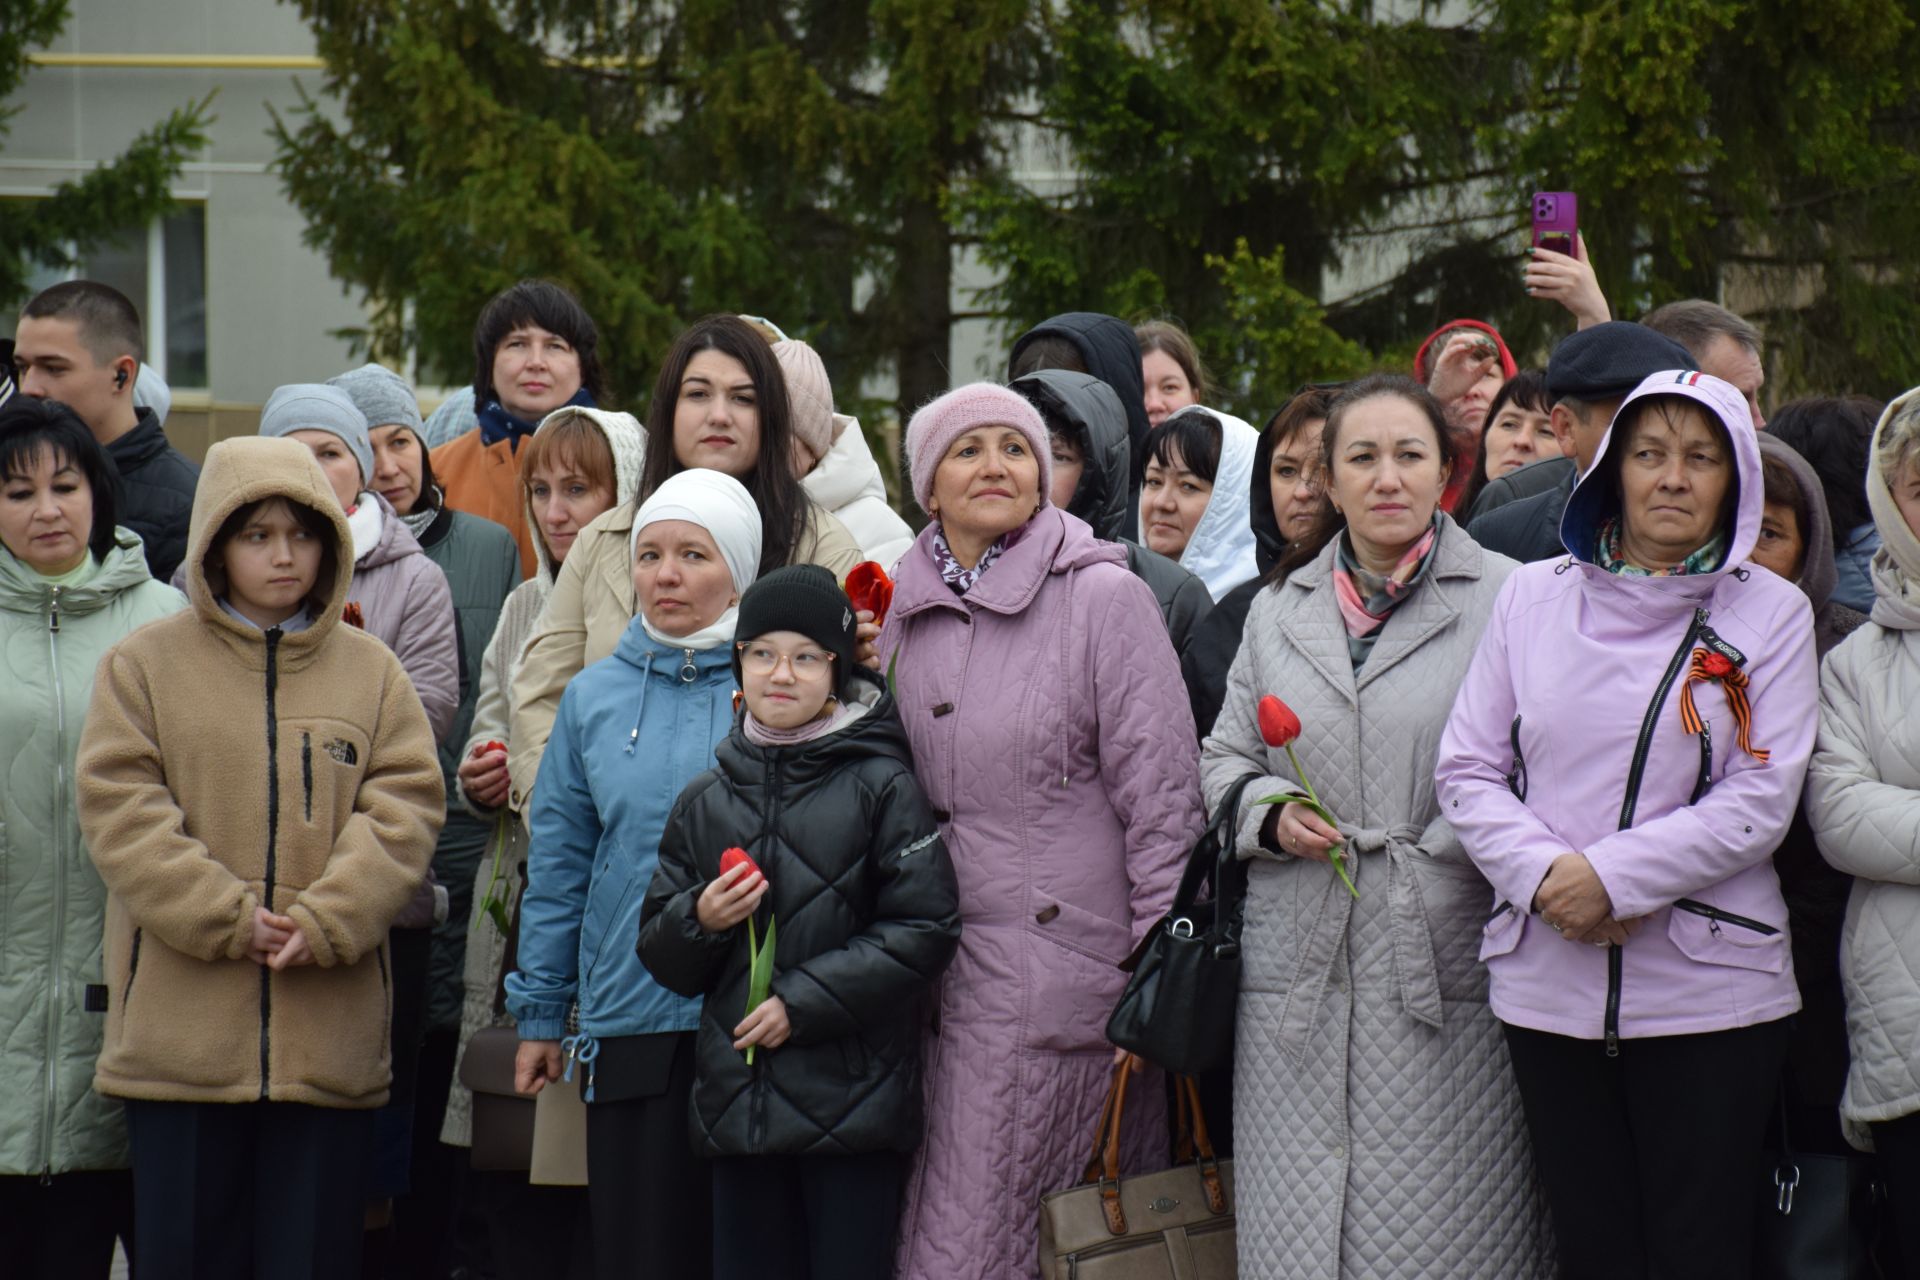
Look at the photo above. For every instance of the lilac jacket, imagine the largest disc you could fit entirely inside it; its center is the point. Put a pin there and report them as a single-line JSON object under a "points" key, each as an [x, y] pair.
{"points": [[1052, 736], [1573, 697]]}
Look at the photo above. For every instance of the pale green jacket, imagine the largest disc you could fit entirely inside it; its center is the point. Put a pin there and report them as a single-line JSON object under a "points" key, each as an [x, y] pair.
{"points": [[52, 904]]}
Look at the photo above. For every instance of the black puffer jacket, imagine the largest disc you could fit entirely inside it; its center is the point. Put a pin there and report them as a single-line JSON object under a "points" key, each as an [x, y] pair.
{"points": [[156, 492], [1110, 353], [1204, 665], [866, 914], [1090, 410]]}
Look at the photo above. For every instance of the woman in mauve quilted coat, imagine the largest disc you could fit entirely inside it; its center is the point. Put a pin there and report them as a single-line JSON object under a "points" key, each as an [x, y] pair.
{"points": [[1377, 1130], [1051, 734]]}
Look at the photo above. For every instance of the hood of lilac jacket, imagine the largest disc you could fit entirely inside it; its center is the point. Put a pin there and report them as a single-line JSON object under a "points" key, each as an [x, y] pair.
{"points": [[1570, 732]]}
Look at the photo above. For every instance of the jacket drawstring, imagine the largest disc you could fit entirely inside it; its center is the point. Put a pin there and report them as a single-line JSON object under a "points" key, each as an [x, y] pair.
{"points": [[583, 1049], [646, 678]]}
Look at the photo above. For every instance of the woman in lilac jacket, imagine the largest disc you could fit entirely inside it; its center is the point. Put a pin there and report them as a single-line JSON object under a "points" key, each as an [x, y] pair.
{"points": [[1627, 750], [1051, 733]]}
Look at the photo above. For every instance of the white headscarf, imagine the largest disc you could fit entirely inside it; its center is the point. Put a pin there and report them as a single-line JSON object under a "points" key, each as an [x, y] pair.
{"points": [[1220, 551], [722, 506]]}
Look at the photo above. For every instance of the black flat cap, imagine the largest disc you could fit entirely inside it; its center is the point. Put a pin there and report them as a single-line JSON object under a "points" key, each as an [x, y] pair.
{"points": [[1609, 360]]}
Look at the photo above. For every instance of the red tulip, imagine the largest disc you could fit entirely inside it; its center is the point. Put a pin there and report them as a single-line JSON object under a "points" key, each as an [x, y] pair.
{"points": [[736, 857], [870, 589], [493, 744], [1278, 725]]}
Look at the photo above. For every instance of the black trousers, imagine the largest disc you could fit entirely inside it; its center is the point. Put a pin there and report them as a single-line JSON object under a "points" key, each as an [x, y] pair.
{"points": [[64, 1227], [531, 1232], [274, 1190], [1898, 1143], [651, 1203], [806, 1217], [1650, 1160]]}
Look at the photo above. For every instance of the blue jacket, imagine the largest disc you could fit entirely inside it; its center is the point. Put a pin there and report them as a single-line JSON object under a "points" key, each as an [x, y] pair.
{"points": [[1852, 556], [633, 730]]}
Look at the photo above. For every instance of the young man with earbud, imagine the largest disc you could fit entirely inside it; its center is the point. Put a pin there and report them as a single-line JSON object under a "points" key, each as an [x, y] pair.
{"points": [[79, 343]]}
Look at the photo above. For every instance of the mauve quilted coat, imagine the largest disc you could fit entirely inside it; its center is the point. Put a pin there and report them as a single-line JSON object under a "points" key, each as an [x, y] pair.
{"points": [[1051, 734], [1376, 1123]]}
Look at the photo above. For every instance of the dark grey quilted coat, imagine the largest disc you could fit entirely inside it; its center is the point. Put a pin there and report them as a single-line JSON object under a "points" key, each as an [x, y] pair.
{"points": [[1376, 1123]]}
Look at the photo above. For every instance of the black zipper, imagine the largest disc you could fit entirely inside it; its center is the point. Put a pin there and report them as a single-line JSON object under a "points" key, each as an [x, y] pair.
{"points": [[306, 770], [133, 967], [1517, 780], [1635, 775], [1717, 916], [273, 826], [1705, 780]]}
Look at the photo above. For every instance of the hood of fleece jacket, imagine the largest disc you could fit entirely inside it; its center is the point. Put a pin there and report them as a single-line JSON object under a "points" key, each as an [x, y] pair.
{"points": [[1221, 551], [1595, 497], [1090, 411], [625, 437], [1818, 574], [247, 469]]}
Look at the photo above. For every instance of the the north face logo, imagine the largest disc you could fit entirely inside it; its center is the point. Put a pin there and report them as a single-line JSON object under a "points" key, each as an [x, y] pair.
{"points": [[342, 750]]}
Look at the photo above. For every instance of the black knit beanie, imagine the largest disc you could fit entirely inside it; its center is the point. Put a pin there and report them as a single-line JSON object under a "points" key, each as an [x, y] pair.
{"points": [[802, 598]]}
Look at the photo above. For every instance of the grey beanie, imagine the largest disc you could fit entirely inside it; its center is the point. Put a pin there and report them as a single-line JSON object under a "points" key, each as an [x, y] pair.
{"points": [[313, 406], [383, 397]]}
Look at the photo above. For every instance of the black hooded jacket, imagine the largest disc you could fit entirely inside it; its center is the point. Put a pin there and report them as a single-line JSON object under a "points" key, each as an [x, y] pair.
{"points": [[156, 492], [1204, 664], [1091, 411], [1112, 354], [866, 915]]}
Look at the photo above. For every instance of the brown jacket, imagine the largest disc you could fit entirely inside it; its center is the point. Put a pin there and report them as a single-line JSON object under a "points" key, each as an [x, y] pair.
{"points": [[224, 768], [484, 480], [588, 611]]}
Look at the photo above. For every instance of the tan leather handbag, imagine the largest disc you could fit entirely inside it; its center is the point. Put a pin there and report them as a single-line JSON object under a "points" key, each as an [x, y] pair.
{"points": [[1177, 1224]]}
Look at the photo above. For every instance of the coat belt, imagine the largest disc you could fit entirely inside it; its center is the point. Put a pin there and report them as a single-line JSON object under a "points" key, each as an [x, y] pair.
{"points": [[1416, 976]]}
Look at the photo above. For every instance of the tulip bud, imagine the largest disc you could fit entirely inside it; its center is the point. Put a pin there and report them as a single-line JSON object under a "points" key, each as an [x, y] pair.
{"points": [[1278, 725]]}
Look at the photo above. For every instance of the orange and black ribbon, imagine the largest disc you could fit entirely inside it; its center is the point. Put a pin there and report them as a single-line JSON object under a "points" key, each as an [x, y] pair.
{"points": [[1708, 665]]}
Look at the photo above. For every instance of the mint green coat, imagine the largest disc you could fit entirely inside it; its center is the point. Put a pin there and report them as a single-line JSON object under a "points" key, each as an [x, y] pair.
{"points": [[51, 900]]}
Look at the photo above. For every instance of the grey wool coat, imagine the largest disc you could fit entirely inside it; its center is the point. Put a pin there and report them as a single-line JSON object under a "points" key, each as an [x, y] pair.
{"points": [[1376, 1122]]}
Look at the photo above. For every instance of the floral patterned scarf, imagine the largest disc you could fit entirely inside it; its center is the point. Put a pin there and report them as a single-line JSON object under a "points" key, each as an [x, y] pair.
{"points": [[951, 571], [1608, 553], [1367, 600]]}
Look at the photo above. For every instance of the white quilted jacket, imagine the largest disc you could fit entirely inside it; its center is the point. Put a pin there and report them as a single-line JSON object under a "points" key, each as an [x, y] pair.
{"points": [[1377, 1127], [1863, 799]]}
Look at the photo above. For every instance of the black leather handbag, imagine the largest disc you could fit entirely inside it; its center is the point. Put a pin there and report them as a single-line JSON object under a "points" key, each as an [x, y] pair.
{"points": [[1178, 1007], [1818, 1214]]}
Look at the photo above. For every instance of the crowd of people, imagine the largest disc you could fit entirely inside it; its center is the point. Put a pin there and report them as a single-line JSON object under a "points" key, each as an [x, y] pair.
{"points": [[386, 771]]}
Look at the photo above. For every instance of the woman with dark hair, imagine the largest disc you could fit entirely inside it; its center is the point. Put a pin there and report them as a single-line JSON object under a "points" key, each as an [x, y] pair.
{"points": [[1193, 498], [1284, 500], [1833, 435], [1519, 432], [1623, 758], [719, 403], [71, 587], [1170, 367], [535, 348], [1368, 1070]]}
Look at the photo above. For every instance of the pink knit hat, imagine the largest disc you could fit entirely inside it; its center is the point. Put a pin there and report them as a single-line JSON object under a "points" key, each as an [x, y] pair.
{"points": [[942, 421], [810, 393]]}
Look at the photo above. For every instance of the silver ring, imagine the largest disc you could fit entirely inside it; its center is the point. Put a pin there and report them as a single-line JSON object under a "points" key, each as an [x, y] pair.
{"points": [[1557, 928]]}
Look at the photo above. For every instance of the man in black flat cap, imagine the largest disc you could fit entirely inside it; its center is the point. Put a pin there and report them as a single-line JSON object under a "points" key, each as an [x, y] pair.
{"points": [[1588, 376]]}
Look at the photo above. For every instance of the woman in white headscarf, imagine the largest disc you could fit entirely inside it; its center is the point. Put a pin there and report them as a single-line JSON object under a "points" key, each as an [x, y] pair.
{"points": [[632, 730], [1193, 499]]}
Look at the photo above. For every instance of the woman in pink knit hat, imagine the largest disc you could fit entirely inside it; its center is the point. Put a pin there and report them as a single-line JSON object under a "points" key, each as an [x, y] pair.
{"points": [[1051, 734]]}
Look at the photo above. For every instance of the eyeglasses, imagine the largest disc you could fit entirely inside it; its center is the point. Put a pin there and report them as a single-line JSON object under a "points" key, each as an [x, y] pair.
{"points": [[763, 659]]}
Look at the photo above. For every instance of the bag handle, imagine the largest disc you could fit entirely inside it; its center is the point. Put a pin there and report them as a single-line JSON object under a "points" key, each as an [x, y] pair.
{"points": [[1214, 848], [1194, 1145], [1104, 1165]]}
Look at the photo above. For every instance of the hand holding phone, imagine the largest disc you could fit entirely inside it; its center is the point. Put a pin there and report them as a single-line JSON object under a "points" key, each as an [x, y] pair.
{"points": [[1558, 269], [1556, 221]]}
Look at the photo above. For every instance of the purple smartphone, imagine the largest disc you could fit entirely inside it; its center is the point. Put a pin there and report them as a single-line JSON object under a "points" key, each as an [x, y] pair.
{"points": [[1556, 221]]}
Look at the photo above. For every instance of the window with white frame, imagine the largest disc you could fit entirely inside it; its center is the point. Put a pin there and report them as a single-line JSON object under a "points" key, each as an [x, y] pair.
{"points": [[162, 268]]}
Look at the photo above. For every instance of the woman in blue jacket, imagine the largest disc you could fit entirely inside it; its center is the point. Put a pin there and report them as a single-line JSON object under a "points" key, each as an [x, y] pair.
{"points": [[633, 729]]}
